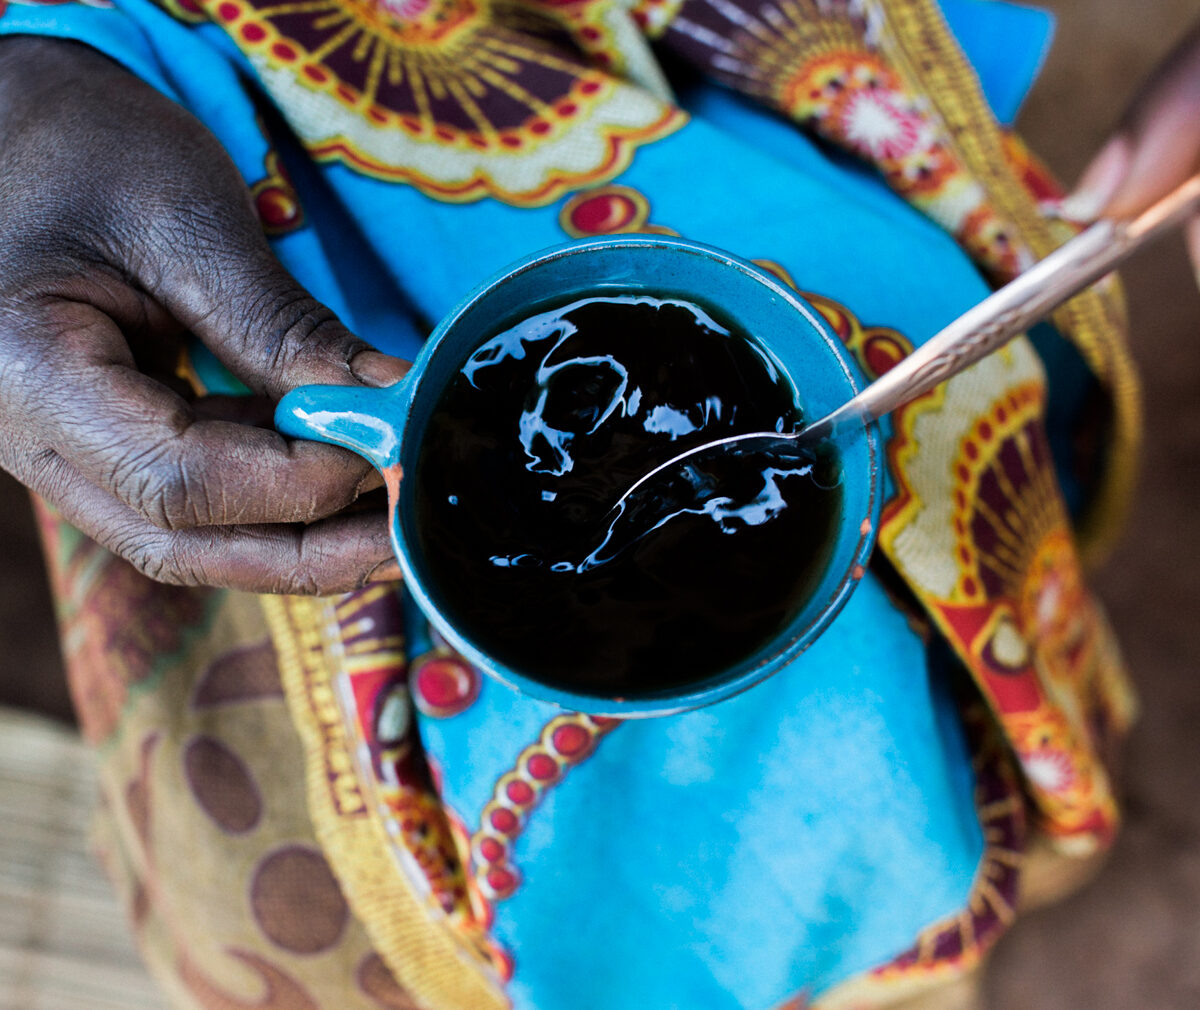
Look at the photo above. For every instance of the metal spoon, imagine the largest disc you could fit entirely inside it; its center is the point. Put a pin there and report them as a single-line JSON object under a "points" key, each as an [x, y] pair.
{"points": [[980, 330]]}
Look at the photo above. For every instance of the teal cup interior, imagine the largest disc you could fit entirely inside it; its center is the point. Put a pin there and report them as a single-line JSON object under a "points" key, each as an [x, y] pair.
{"points": [[387, 427]]}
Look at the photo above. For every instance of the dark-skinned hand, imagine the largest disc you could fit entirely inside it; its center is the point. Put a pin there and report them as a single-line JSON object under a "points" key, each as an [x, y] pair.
{"points": [[124, 227]]}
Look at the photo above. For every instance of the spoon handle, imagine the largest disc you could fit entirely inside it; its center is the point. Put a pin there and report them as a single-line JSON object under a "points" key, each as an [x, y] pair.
{"points": [[1015, 307]]}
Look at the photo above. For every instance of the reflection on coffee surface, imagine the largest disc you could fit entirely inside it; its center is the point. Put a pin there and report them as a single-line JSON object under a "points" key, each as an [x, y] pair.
{"points": [[539, 435]]}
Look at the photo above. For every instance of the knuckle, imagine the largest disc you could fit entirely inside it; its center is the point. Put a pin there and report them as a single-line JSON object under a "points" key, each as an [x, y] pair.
{"points": [[303, 583], [46, 474], [288, 326], [36, 466], [307, 574], [279, 330], [153, 554], [162, 478], [149, 487], [160, 488]]}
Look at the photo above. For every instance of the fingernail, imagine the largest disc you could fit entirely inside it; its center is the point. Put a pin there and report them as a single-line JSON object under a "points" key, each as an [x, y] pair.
{"points": [[387, 570], [374, 369], [1100, 182]]}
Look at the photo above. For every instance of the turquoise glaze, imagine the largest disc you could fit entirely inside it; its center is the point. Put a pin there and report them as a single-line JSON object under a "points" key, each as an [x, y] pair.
{"points": [[387, 425]]}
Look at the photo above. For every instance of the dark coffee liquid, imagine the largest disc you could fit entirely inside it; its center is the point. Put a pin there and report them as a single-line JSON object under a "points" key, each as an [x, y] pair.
{"points": [[542, 431]]}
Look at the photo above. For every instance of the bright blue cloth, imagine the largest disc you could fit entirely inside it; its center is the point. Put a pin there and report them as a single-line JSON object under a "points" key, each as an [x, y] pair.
{"points": [[790, 837], [1006, 44]]}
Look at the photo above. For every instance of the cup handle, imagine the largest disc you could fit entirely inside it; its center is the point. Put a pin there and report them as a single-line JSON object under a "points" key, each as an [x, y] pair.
{"points": [[360, 418]]}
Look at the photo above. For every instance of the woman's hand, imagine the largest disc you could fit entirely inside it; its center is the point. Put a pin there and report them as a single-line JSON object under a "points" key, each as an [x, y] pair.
{"points": [[124, 227], [1156, 147]]}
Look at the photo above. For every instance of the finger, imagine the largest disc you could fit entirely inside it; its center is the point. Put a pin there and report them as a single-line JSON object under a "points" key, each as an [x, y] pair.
{"points": [[1157, 146], [271, 333], [1100, 181], [259, 412], [221, 280], [333, 556], [148, 447]]}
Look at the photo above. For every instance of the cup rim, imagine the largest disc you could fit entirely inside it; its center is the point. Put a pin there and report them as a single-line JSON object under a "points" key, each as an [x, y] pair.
{"points": [[719, 687]]}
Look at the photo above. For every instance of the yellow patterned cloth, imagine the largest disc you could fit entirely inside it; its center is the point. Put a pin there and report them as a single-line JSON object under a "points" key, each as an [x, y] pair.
{"points": [[278, 845]]}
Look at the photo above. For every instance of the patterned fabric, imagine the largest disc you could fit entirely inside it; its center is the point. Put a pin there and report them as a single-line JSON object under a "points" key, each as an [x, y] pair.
{"points": [[459, 98], [177, 690], [316, 803]]}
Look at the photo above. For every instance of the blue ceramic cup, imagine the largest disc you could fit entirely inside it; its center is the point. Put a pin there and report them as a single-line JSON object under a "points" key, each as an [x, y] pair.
{"points": [[388, 425]]}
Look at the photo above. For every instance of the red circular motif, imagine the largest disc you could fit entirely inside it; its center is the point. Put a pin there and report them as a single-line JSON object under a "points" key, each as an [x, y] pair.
{"points": [[502, 882], [228, 12], [881, 354], [276, 209], [444, 686], [491, 850], [519, 792], [253, 33], [604, 215], [542, 767], [504, 820], [282, 51], [570, 740]]}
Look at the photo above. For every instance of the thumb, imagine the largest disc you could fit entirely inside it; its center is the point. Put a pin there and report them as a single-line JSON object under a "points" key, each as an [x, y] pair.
{"points": [[226, 286]]}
